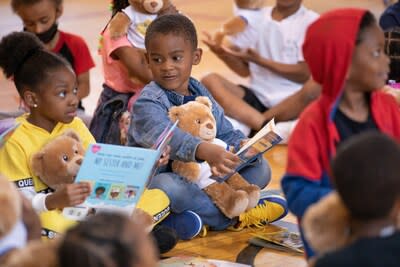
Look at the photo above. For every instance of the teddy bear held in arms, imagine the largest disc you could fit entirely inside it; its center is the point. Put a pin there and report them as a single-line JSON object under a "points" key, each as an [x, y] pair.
{"points": [[232, 197], [134, 19]]}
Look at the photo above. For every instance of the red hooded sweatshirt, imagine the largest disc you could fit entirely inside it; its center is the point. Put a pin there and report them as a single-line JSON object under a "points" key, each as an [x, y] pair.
{"points": [[328, 49]]}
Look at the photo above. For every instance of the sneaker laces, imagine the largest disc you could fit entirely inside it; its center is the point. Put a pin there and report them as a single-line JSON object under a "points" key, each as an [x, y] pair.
{"points": [[256, 217]]}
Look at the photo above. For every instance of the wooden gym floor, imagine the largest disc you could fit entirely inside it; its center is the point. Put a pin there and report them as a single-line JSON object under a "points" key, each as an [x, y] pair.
{"points": [[88, 17]]}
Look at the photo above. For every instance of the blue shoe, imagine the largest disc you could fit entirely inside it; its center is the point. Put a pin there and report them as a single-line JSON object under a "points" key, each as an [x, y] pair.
{"points": [[186, 224], [270, 208]]}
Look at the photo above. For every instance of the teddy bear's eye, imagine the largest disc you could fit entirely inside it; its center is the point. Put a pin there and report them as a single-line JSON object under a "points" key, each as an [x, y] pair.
{"points": [[76, 151], [65, 157], [198, 121]]}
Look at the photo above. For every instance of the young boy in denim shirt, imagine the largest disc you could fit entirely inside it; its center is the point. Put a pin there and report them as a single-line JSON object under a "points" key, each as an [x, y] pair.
{"points": [[171, 45]]}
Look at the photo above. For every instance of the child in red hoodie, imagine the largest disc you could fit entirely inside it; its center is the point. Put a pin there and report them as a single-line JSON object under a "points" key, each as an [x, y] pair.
{"points": [[344, 49]]}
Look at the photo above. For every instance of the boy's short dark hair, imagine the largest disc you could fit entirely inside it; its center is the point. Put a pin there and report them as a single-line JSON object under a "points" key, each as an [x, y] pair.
{"points": [[176, 24], [366, 174], [392, 49], [17, 3]]}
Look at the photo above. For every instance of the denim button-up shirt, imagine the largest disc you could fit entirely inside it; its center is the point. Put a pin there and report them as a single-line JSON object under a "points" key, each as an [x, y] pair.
{"points": [[150, 118]]}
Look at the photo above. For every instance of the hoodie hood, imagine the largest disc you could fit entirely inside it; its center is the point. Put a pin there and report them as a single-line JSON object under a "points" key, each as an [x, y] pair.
{"points": [[329, 46]]}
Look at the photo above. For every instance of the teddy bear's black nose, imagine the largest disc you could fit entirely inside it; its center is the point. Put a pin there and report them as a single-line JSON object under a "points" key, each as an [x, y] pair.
{"points": [[209, 125], [154, 4], [79, 161]]}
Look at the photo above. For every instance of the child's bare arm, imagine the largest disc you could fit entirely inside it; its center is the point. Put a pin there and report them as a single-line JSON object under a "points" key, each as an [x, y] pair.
{"points": [[119, 25], [298, 72], [221, 161], [68, 195], [135, 61]]}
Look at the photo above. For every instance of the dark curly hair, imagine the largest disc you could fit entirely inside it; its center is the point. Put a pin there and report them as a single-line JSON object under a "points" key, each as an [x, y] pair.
{"points": [[23, 57], [98, 242]]}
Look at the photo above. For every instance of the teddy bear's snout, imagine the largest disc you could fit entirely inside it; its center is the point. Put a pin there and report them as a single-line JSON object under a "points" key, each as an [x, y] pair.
{"points": [[79, 161], [153, 4]]}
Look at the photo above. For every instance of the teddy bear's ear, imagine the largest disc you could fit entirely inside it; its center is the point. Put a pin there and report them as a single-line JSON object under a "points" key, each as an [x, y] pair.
{"points": [[72, 134], [204, 100], [174, 113], [37, 163]]}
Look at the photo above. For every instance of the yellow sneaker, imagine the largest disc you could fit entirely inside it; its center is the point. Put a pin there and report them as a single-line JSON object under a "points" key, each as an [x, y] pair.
{"points": [[269, 209]]}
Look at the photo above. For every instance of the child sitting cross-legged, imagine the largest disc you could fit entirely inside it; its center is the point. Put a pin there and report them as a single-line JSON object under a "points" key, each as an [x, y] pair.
{"points": [[171, 45]]}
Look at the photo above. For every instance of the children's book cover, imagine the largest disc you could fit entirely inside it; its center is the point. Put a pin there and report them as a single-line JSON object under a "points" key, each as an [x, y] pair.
{"points": [[118, 176], [263, 141]]}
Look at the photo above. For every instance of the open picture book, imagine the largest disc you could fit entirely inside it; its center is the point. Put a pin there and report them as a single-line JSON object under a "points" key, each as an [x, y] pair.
{"points": [[282, 236], [118, 176], [261, 142]]}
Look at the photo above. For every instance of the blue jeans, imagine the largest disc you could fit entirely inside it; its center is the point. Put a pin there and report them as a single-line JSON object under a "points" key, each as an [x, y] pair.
{"points": [[185, 195]]}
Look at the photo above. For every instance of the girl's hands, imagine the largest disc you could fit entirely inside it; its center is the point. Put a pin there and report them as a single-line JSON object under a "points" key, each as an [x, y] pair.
{"points": [[221, 161], [68, 195], [164, 157]]}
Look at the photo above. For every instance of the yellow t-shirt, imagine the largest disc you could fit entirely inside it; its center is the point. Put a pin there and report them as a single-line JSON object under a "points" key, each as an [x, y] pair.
{"points": [[15, 164]]}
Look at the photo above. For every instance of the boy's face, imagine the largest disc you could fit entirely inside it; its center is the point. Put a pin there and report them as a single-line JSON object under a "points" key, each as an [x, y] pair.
{"points": [[170, 59], [39, 17], [370, 65]]}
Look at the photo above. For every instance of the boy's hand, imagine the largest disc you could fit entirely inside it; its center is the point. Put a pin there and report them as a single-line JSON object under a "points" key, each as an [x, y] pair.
{"points": [[215, 47], [221, 161], [164, 157], [248, 55], [68, 195]]}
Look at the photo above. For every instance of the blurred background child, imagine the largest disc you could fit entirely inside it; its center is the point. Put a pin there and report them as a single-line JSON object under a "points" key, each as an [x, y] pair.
{"points": [[41, 18]]}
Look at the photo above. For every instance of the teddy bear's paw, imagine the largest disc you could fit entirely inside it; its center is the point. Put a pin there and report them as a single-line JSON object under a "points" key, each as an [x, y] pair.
{"points": [[253, 192], [238, 204], [231, 202]]}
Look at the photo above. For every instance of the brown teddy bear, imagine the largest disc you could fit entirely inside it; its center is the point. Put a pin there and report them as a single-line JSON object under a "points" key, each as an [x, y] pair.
{"points": [[135, 19], [326, 224], [235, 195], [59, 160], [243, 27], [58, 163]]}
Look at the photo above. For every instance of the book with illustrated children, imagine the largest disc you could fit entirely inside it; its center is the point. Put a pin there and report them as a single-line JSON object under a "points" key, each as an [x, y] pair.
{"points": [[7, 128], [118, 176], [261, 142], [282, 236]]}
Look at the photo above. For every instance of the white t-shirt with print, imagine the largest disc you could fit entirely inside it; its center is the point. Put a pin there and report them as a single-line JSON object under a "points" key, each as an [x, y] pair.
{"points": [[138, 27], [280, 41], [249, 36]]}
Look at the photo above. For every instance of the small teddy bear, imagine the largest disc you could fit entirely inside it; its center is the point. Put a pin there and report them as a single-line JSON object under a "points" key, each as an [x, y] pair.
{"points": [[134, 19], [326, 224], [242, 29], [58, 161], [232, 197]]}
